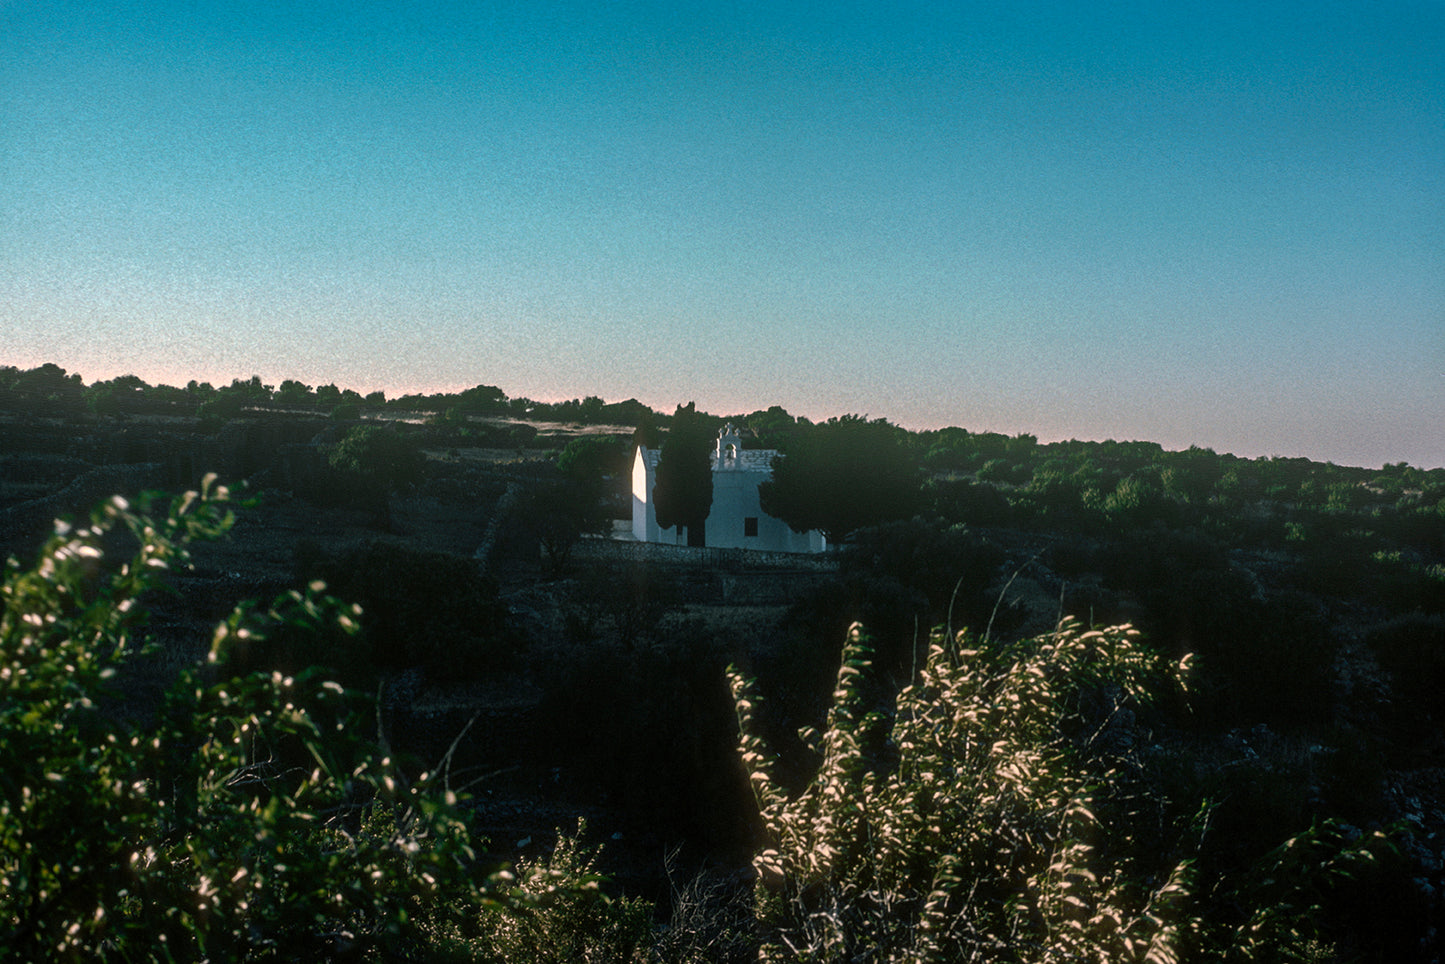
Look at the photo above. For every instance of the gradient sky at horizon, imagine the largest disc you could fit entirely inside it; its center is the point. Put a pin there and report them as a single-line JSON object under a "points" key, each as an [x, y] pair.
{"points": [[1215, 223]]}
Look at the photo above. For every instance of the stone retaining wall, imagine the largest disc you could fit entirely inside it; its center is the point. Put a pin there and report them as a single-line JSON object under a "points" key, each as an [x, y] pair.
{"points": [[719, 577], [727, 560]]}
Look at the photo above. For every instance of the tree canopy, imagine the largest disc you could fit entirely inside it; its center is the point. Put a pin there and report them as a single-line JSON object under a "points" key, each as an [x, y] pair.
{"points": [[683, 493], [379, 454], [840, 476], [593, 459], [560, 512], [376, 460]]}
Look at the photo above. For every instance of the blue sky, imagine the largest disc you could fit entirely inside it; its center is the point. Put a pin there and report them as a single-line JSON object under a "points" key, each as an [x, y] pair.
{"points": [[1215, 223]]}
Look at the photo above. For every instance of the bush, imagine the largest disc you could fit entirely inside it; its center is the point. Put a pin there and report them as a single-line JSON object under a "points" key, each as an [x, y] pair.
{"points": [[632, 600], [218, 410], [373, 461], [1259, 662], [559, 512], [1412, 649], [957, 830], [798, 667], [423, 609], [572, 925], [664, 755], [969, 503], [242, 821], [1002, 811], [950, 566]]}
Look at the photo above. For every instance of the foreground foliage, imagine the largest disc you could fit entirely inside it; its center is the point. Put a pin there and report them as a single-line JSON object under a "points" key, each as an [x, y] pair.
{"points": [[244, 822], [1001, 809], [568, 925]]}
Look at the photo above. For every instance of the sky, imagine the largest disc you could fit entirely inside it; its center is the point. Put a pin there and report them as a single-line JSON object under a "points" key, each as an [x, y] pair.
{"points": [[1216, 223]]}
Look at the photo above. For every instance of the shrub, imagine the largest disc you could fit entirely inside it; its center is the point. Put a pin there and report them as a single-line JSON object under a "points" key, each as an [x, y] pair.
{"points": [[665, 754], [950, 566], [242, 821], [1412, 649], [797, 666], [423, 609], [373, 461], [567, 924], [969, 503], [218, 410], [1259, 661], [559, 513], [958, 830], [1001, 811], [632, 600]]}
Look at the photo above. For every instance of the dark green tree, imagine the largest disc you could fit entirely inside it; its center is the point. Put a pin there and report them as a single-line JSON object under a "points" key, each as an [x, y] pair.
{"points": [[947, 449], [597, 468], [589, 410], [103, 398], [327, 396], [628, 412], [683, 493], [773, 427], [482, 400], [1191, 475], [559, 512], [218, 408], [377, 460], [293, 393], [595, 459], [252, 392], [379, 453], [647, 433], [48, 387], [842, 475]]}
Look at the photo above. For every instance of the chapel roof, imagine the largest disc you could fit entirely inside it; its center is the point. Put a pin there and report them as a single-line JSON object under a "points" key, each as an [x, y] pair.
{"points": [[749, 460]]}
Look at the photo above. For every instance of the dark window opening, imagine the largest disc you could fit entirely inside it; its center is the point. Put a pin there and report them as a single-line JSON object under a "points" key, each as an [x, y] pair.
{"points": [[750, 526]]}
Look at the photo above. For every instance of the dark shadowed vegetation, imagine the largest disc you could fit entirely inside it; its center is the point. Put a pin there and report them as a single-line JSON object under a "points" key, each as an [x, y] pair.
{"points": [[1112, 702]]}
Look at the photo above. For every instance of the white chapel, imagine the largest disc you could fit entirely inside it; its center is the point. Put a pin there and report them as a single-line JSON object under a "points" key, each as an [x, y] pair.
{"points": [[736, 521]]}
